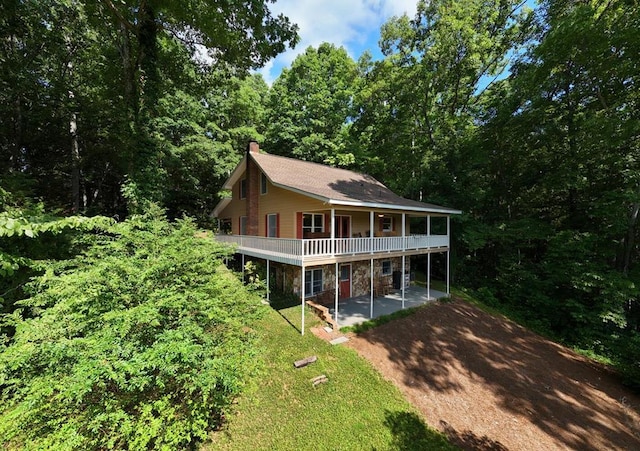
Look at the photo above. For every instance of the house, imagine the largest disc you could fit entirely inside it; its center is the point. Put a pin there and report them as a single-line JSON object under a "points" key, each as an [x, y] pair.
{"points": [[327, 233]]}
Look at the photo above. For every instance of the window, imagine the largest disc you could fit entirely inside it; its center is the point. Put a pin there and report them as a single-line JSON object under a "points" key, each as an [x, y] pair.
{"points": [[386, 267], [312, 282], [312, 223], [387, 224], [243, 225], [243, 188], [272, 225], [263, 184], [225, 226]]}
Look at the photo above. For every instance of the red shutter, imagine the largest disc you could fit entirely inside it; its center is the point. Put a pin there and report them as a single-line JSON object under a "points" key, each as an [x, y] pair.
{"points": [[299, 225], [327, 223], [277, 225], [266, 225], [393, 224], [381, 224]]}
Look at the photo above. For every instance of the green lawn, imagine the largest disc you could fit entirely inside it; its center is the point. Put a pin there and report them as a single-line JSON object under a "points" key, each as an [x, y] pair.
{"points": [[356, 409]]}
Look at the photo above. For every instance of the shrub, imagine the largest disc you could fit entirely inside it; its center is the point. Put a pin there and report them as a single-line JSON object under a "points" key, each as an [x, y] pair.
{"points": [[140, 343]]}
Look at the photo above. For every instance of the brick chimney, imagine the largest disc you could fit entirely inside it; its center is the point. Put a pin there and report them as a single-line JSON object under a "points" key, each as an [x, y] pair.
{"points": [[253, 189], [253, 147]]}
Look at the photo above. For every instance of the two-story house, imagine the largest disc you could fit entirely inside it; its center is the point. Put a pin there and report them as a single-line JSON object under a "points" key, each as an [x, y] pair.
{"points": [[327, 233]]}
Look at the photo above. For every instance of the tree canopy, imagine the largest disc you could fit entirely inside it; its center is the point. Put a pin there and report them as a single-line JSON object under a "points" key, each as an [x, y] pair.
{"points": [[524, 119]]}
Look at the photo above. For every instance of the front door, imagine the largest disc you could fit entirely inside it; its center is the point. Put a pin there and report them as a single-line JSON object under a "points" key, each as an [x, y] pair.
{"points": [[345, 281], [343, 227]]}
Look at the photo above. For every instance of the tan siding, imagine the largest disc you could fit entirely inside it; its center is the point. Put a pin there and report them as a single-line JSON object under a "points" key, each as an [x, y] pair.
{"points": [[287, 203], [236, 208]]}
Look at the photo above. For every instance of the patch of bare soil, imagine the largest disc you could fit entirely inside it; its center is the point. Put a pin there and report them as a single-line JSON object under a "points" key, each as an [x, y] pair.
{"points": [[490, 384]]}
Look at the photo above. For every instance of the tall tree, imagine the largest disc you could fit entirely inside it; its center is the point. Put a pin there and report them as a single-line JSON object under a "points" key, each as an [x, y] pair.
{"points": [[562, 149], [84, 82], [310, 106], [418, 105]]}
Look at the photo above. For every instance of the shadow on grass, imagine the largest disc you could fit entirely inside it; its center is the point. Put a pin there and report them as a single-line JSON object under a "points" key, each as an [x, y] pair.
{"points": [[411, 433], [282, 301]]}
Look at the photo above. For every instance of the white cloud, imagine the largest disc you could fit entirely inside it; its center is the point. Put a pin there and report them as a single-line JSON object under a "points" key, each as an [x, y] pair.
{"points": [[353, 24]]}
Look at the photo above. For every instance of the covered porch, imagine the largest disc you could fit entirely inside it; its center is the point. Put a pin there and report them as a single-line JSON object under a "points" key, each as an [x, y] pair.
{"points": [[358, 309]]}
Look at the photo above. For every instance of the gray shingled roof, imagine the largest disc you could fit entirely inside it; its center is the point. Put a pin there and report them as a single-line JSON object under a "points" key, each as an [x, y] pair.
{"points": [[334, 185]]}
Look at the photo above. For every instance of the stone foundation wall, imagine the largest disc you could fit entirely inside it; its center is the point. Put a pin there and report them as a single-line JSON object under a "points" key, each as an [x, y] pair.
{"points": [[288, 277]]}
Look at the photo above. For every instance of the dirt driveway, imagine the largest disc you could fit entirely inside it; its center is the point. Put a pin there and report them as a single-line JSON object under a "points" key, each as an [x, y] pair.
{"points": [[489, 384]]}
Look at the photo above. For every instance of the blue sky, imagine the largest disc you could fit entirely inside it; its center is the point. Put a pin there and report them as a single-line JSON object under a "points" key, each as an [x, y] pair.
{"points": [[352, 24]]}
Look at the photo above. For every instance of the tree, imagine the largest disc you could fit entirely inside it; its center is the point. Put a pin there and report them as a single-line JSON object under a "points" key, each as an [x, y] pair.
{"points": [[82, 86], [139, 343], [202, 140], [561, 178], [310, 107], [417, 108]]}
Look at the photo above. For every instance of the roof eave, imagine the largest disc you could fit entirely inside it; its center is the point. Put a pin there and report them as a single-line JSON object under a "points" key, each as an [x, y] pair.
{"points": [[221, 206], [377, 205]]}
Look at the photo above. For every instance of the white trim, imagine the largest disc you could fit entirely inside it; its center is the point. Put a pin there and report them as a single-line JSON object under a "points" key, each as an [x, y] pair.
{"points": [[402, 280], [268, 288], [302, 269], [379, 206], [336, 298], [371, 309], [236, 174]]}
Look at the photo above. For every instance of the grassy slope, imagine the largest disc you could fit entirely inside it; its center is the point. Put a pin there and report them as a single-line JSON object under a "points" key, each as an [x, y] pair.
{"points": [[356, 409]]}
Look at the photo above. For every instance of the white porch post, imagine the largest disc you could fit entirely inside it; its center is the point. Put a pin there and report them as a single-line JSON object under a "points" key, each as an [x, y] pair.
{"points": [[403, 279], [429, 258], [242, 270], [371, 232], [448, 255], [335, 313], [404, 248], [448, 258], [268, 279], [333, 232], [429, 275], [371, 310], [404, 242], [302, 299]]}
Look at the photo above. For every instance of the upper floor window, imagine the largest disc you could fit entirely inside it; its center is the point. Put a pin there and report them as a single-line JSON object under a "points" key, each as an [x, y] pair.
{"points": [[243, 225], [243, 188], [312, 223], [225, 226], [272, 225], [387, 224], [263, 184]]}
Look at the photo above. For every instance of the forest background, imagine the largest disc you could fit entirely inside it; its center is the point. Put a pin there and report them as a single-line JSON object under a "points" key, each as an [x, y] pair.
{"points": [[109, 109]]}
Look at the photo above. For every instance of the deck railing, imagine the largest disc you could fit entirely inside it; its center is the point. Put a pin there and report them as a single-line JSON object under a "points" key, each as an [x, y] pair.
{"points": [[325, 247]]}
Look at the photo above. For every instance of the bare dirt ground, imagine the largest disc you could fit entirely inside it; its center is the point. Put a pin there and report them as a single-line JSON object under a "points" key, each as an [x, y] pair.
{"points": [[490, 384]]}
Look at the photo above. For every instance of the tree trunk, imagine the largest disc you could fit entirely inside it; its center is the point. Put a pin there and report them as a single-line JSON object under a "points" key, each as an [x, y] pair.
{"points": [[75, 162], [629, 240]]}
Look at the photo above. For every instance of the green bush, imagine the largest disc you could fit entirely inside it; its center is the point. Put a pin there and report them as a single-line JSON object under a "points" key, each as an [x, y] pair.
{"points": [[141, 343]]}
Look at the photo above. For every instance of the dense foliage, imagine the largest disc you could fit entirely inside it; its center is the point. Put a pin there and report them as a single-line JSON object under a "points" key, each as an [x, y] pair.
{"points": [[525, 120], [88, 92], [139, 343]]}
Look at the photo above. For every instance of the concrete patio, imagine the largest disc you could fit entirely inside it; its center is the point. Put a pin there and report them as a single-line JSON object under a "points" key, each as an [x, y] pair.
{"points": [[358, 309]]}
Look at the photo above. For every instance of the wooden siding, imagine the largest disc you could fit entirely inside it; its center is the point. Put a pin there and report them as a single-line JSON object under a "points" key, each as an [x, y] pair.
{"points": [[287, 203], [277, 200]]}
